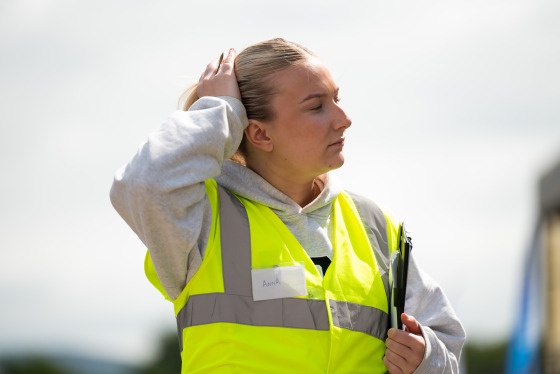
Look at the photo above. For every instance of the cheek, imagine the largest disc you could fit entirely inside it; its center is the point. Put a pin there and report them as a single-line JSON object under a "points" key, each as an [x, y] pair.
{"points": [[313, 128], [304, 137], [306, 140]]}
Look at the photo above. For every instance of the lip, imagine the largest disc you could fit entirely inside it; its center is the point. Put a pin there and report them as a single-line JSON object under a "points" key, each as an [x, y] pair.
{"points": [[339, 142]]}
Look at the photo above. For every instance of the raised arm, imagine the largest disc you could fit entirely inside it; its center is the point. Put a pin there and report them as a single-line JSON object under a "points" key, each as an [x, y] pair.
{"points": [[160, 192]]}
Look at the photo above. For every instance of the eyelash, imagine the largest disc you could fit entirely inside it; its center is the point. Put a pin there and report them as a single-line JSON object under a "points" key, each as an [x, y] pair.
{"points": [[320, 106]]}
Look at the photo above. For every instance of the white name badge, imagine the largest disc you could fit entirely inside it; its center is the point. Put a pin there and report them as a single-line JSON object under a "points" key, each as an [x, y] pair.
{"points": [[278, 282]]}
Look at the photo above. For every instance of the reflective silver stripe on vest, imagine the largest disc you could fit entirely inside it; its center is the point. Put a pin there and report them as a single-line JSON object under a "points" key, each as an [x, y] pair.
{"points": [[362, 318], [235, 240], [236, 304], [295, 313]]}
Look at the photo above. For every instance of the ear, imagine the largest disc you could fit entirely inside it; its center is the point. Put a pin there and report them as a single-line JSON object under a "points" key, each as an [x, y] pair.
{"points": [[258, 135]]}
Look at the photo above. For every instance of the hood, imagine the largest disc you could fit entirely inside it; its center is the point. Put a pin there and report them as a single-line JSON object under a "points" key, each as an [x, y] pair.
{"points": [[245, 182]]}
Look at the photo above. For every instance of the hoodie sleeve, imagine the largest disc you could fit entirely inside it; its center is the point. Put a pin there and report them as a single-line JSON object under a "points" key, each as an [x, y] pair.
{"points": [[441, 328], [160, 192]]}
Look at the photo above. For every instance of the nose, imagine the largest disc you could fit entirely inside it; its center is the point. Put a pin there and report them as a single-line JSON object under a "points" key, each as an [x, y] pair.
{"points": [[342, 120]]}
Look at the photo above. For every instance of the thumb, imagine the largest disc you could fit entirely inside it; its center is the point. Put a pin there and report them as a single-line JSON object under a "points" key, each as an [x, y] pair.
{"points": [[411, 324]]}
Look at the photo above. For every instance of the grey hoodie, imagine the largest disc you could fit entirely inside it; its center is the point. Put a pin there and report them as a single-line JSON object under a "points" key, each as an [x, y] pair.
{"points": [[160, 193]]}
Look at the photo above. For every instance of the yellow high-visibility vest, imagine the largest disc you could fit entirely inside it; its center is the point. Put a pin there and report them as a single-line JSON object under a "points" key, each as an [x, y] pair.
{"points": [[339, 327]]}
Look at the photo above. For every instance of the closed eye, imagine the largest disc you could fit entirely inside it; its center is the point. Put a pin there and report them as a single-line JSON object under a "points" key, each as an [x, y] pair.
{"points": [[317, 107], [320, 106]]}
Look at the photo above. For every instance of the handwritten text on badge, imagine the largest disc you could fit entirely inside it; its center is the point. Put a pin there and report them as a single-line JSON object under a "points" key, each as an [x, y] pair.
{"points": [[278, 282]]}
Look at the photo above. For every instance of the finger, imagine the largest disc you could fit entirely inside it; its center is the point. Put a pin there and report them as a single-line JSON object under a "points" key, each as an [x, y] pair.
{"points": [[398, 348], [392, 368], [411, 324], [407, 362], [394, 363], [412, 355], [407, 339], [228, 62], [210, 70]]}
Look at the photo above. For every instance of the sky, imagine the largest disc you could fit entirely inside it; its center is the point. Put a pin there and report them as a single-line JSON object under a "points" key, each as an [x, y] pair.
{"points": [[455, 118]]}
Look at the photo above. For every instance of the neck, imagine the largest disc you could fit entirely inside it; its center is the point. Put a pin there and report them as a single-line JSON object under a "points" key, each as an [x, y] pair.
{"points": [[302, 190]]}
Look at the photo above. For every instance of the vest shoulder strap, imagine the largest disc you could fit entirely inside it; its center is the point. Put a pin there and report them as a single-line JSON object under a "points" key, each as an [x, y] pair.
{"points": [[375, 224], [235, 238]]}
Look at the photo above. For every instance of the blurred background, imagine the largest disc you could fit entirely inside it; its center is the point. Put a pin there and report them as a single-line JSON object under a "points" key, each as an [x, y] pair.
{"points": [[456, 121]]}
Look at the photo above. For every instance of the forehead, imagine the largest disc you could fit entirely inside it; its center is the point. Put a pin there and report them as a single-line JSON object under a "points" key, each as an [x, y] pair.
{"points": [[301, 80]]}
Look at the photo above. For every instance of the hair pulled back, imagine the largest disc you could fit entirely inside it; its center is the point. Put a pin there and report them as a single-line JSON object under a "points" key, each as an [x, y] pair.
{"points": [[253, 69]]}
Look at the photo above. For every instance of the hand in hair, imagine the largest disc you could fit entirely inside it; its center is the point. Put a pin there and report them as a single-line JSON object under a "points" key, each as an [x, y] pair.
{"points": [[219, 81]]}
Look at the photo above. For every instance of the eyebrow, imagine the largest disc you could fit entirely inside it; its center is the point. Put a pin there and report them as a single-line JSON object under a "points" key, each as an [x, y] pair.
{"points": [[318, 94]]}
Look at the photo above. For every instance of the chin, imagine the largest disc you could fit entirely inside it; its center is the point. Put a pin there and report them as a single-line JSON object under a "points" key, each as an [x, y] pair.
{"points": [[336, 164]]}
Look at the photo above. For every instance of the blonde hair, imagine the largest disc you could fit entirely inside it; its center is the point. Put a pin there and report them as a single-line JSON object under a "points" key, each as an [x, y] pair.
{"points": [[253, 68]]}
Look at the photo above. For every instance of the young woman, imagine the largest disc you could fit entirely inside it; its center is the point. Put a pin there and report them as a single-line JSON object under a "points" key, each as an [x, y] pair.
{"points": [[271, 266]]}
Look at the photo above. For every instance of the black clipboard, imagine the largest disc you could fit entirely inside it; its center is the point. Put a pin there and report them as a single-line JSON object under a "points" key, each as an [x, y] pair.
{"points": [[398, 276]]}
